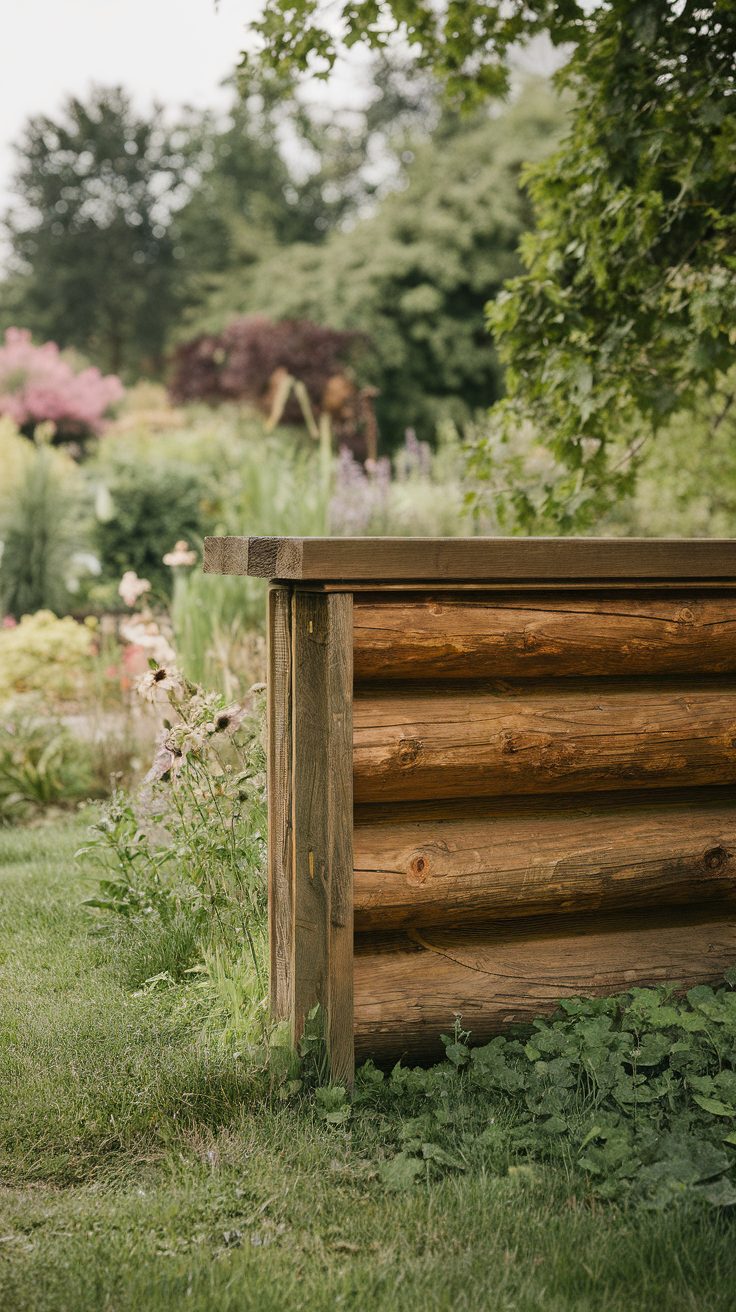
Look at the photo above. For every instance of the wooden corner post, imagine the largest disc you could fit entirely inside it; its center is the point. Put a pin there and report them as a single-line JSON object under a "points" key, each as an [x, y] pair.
{"points": [[311, 815]]}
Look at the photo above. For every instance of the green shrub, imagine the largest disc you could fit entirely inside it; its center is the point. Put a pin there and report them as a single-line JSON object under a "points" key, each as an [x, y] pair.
{"points": [[145, 507], [41, 530], [41, 765], [45, 655]]}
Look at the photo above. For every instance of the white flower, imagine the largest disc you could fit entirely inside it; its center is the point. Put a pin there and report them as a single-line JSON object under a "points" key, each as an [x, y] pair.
{"points": [[160, 679], [131, 587], [181, 555]]}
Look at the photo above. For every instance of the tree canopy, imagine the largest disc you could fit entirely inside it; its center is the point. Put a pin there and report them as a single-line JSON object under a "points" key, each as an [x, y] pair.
{"points": [[92, 255], [415, 275], [122, 223], [627, 301]]}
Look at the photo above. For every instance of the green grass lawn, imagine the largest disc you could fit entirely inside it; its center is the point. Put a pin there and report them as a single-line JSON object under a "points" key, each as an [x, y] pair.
{"points": [[140, 1169]]}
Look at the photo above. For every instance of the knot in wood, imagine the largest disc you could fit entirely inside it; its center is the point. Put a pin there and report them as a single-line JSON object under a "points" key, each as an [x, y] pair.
{"points": [[715, 857], [685, 616], [508, 744], [418, 869], [408, 752]]}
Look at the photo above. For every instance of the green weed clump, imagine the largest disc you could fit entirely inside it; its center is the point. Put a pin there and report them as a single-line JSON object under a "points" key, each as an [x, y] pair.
{"points": [[633, 1096]]}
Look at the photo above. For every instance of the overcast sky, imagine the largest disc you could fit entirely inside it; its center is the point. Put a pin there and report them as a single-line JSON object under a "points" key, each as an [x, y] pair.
{"points": [[173, 51]]}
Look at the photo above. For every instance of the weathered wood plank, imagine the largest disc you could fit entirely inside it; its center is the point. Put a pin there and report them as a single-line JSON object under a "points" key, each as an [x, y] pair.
{"points": [[471, 558], [458, 863], [542, 635], [322, 820], [409, 988], [504, 738], [280, 863]]}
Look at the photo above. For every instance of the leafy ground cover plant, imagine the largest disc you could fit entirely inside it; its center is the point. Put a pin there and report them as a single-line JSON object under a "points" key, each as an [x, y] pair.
{"points": [[634, 1096]]}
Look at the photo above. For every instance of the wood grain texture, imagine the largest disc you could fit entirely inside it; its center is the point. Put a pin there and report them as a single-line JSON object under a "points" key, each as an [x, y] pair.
{"points": [[322, 820], [458, 863], [280, 873], [471, 558], [542, 635], [493, 739], [408, 988]]}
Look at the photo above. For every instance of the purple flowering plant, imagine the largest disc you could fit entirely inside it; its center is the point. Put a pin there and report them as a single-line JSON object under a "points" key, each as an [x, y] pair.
{"points": [[193, 837]]}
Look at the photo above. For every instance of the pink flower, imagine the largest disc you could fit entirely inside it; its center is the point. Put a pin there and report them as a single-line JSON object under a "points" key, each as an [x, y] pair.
{"points": [[147, 635], [131, 587], [181, 555], [37, 385]]}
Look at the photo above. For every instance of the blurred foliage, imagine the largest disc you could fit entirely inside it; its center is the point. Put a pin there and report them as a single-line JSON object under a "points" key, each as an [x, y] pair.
{"points": [[40, 529], [627, 303], [122, 223], [686, 485], [251, 198], [92, 256], [41, 764], [47, 655], [416, 275], [238, 364], [143, 508], [418, 491], [50, 759]]}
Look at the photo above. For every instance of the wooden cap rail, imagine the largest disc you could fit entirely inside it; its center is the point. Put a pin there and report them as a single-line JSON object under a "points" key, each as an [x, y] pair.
{"points": [[475, 560], [501, 772]]}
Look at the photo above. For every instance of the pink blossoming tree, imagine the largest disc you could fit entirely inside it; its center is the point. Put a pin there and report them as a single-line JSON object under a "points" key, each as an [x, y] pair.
{"points": [[37, 385]]}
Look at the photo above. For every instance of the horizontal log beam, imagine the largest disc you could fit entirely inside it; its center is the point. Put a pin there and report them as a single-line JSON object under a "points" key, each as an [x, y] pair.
{"points": [[445, 864], [409, 988], [542, 635], [498, 739]]}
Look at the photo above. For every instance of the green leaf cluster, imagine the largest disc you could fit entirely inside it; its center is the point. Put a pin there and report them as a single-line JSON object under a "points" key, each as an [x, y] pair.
{"points": [[634, 1095], [628, 298]]}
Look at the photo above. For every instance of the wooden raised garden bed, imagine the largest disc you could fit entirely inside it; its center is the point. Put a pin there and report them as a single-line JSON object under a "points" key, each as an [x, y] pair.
{"points": [[501, 773]]}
